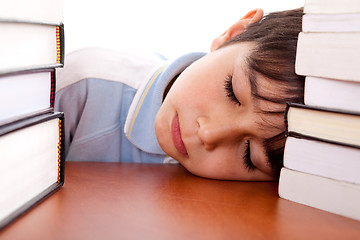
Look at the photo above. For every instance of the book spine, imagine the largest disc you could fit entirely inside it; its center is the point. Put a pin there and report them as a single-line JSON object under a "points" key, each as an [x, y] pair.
{"points": [[52, 89], [60, 43], [61, 158]]}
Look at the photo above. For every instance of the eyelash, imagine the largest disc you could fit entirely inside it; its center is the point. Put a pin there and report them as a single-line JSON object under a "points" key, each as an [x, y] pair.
{"points": [[230, 91], [231, 95], [247, 160]]}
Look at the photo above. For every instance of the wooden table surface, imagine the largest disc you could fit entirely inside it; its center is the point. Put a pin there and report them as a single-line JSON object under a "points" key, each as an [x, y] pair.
{"points": [[150, 201]]}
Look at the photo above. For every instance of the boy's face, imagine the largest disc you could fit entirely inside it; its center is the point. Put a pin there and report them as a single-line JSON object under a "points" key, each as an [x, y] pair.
{"points": [[208, 129]]}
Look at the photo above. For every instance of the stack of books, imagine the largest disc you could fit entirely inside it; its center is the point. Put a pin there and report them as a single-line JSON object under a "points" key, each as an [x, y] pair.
{"points": [[322, 151], [31, 141]]}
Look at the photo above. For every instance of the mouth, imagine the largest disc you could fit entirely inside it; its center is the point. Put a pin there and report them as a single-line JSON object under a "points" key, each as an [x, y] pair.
{"points": [[176, 136]]}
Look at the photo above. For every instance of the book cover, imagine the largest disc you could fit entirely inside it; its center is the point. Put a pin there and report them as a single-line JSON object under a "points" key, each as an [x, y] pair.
{"points": [[323, 159], [334, 196], [329, 125], [30, 149], [329, 55], [22, 103], [29, 46]]}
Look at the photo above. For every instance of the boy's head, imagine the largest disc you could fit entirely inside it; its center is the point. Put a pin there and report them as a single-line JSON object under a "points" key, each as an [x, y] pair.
{"points": [[223, 117]]}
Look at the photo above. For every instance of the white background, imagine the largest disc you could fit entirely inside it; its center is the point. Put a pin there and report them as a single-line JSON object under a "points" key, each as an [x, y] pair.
{"points": [[168, 27]]}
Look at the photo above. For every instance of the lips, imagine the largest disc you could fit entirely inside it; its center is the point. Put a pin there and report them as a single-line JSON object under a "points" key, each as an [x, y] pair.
{"points": [[176, 136]]}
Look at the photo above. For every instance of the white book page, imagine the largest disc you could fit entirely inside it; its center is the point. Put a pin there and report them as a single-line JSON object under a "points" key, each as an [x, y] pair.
{"points": [[34, 10], [319, 192], [324, 159], [331, 23], [24, 94], [331, 93], [25, 45], [28, 164]]}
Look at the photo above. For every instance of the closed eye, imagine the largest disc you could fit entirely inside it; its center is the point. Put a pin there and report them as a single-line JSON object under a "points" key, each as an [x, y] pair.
{"points": [[230, 91], [247, 160]]}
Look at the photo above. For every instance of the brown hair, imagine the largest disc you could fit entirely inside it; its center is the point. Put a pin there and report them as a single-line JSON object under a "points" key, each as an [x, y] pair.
{"points": [[274, 55]]}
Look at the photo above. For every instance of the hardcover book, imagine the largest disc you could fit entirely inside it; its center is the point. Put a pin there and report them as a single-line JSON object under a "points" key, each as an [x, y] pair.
{"points": [[323, 124], [31, 163], [323, 159], [26, 93], [327, 194], [49, 11], [329, 55], [29, 46], [331, 22], [331, 6], [332, 93], [322, 149]]}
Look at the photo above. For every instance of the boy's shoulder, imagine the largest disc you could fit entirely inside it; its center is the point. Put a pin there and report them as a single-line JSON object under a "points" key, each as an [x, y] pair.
{"points": [[107, 64]]}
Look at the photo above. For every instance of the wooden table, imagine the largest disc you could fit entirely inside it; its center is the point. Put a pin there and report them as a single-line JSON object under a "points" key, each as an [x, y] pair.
{"points": [[150, 201]]}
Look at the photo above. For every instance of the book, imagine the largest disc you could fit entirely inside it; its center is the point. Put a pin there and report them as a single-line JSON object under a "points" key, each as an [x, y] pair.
{"points": [[329, 55], [26, 46], [331, 22], [31, 163], [323, 159], [322, 149], [50, 11], [327, 194], [332, 93], [323, 124], [21, 102], [331, 6]]}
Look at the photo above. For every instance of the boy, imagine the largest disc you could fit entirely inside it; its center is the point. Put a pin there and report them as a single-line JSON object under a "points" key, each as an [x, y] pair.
{"points": [[220, 115]]}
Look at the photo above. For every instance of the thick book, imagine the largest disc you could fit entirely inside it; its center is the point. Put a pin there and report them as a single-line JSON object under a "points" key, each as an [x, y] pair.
{"points": [[27, 46], [31, 163], [327, 194], [331, 22], [324, 159], [323, 124], [332, 93], [26, 93], [331, 6], [50, 11], [329, 55]]}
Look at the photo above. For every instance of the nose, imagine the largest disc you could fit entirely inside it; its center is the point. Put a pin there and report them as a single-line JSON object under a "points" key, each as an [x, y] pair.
{"points": [[213, 133]]}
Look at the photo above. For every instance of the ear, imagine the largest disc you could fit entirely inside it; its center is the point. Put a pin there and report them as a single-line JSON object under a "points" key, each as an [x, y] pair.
{"points": [[237, 28]]}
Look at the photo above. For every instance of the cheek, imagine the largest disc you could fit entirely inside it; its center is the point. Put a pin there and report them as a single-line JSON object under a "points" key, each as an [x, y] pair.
{"points": [[198, 89], [186, 92], [213, 165]]}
